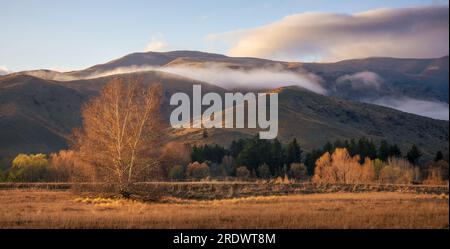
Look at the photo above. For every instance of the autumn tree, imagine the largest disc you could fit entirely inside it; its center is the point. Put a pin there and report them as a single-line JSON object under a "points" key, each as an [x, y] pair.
{"points": [[67, 166], [30, 168], [174, 153], [341, 167], [197, 170], [121, 132], [399, 171]]}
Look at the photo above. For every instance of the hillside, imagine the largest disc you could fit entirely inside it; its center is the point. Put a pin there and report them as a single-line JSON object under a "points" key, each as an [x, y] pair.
{"points": [[37, 115], [316, 119], [415, 78], [424, 79]]}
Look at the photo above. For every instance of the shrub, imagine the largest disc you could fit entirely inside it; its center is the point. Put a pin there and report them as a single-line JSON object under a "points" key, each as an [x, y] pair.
{"points": [[436, 173], [434, 177], [242, 172], [176, 172], [443, 167], [264, 171], [398, 171], [197, 170], [299, 171], [282, 180]]}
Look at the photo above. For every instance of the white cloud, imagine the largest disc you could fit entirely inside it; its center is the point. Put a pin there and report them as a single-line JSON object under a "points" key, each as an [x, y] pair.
{"points": [[431, 109], [361, 80], [266, 78], [156, 44], [4, 70], [404, 32]]}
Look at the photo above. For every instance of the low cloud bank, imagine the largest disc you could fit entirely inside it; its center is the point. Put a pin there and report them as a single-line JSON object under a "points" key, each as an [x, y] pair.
{"points": [[361, 80], [255, 78], [432, 109], [267, 78]]}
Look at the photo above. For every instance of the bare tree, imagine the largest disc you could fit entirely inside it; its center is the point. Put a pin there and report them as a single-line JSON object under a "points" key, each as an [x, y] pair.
{"points": [[121, 132]]}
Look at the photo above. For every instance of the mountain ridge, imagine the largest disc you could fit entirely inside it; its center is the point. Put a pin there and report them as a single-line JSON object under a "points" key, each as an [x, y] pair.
{"points": [[39, 108], [46, 111], [425, 79]]}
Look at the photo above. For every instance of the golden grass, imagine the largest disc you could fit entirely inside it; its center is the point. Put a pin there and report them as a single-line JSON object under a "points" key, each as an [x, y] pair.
{"points": [[63, 209]]}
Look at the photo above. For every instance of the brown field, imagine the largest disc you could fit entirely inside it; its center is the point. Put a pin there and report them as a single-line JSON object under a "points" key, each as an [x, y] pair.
{"points": [[29, 208]]}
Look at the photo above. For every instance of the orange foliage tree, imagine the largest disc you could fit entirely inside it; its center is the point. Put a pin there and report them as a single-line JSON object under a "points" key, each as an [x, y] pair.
{"points": [[340, 167]]}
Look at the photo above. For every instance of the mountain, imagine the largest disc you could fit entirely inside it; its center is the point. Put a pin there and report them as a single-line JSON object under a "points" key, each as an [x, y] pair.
{"points": [[37, 115], [39, 108], [365, 80], [415, 78], [315, 119], [425, 79]]}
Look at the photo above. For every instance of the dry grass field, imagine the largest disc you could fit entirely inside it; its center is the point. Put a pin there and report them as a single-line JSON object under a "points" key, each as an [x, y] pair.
{"points": [[63, 209]]}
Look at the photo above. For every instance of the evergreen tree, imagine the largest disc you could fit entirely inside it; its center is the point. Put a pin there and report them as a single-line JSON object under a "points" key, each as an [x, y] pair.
{"points": [[439, 156], [250, 155], [338, 144], [383, 151], [236, 147], [371, 150], [293, 152], [366, 148], [352, 148], [310, 160], [394, 151], [277, 158], [413, 154], [328, 147], [213, 153]]}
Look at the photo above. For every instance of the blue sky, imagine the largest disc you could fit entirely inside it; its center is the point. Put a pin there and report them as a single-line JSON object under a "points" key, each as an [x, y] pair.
{"points": [[61, 34]]}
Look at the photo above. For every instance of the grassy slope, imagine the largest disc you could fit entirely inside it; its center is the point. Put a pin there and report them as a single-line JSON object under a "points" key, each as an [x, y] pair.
{"points": [[315, 119], [37, 115]]}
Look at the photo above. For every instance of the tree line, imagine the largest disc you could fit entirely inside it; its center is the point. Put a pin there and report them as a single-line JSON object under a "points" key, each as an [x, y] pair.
{"points": [[254, 152]]}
